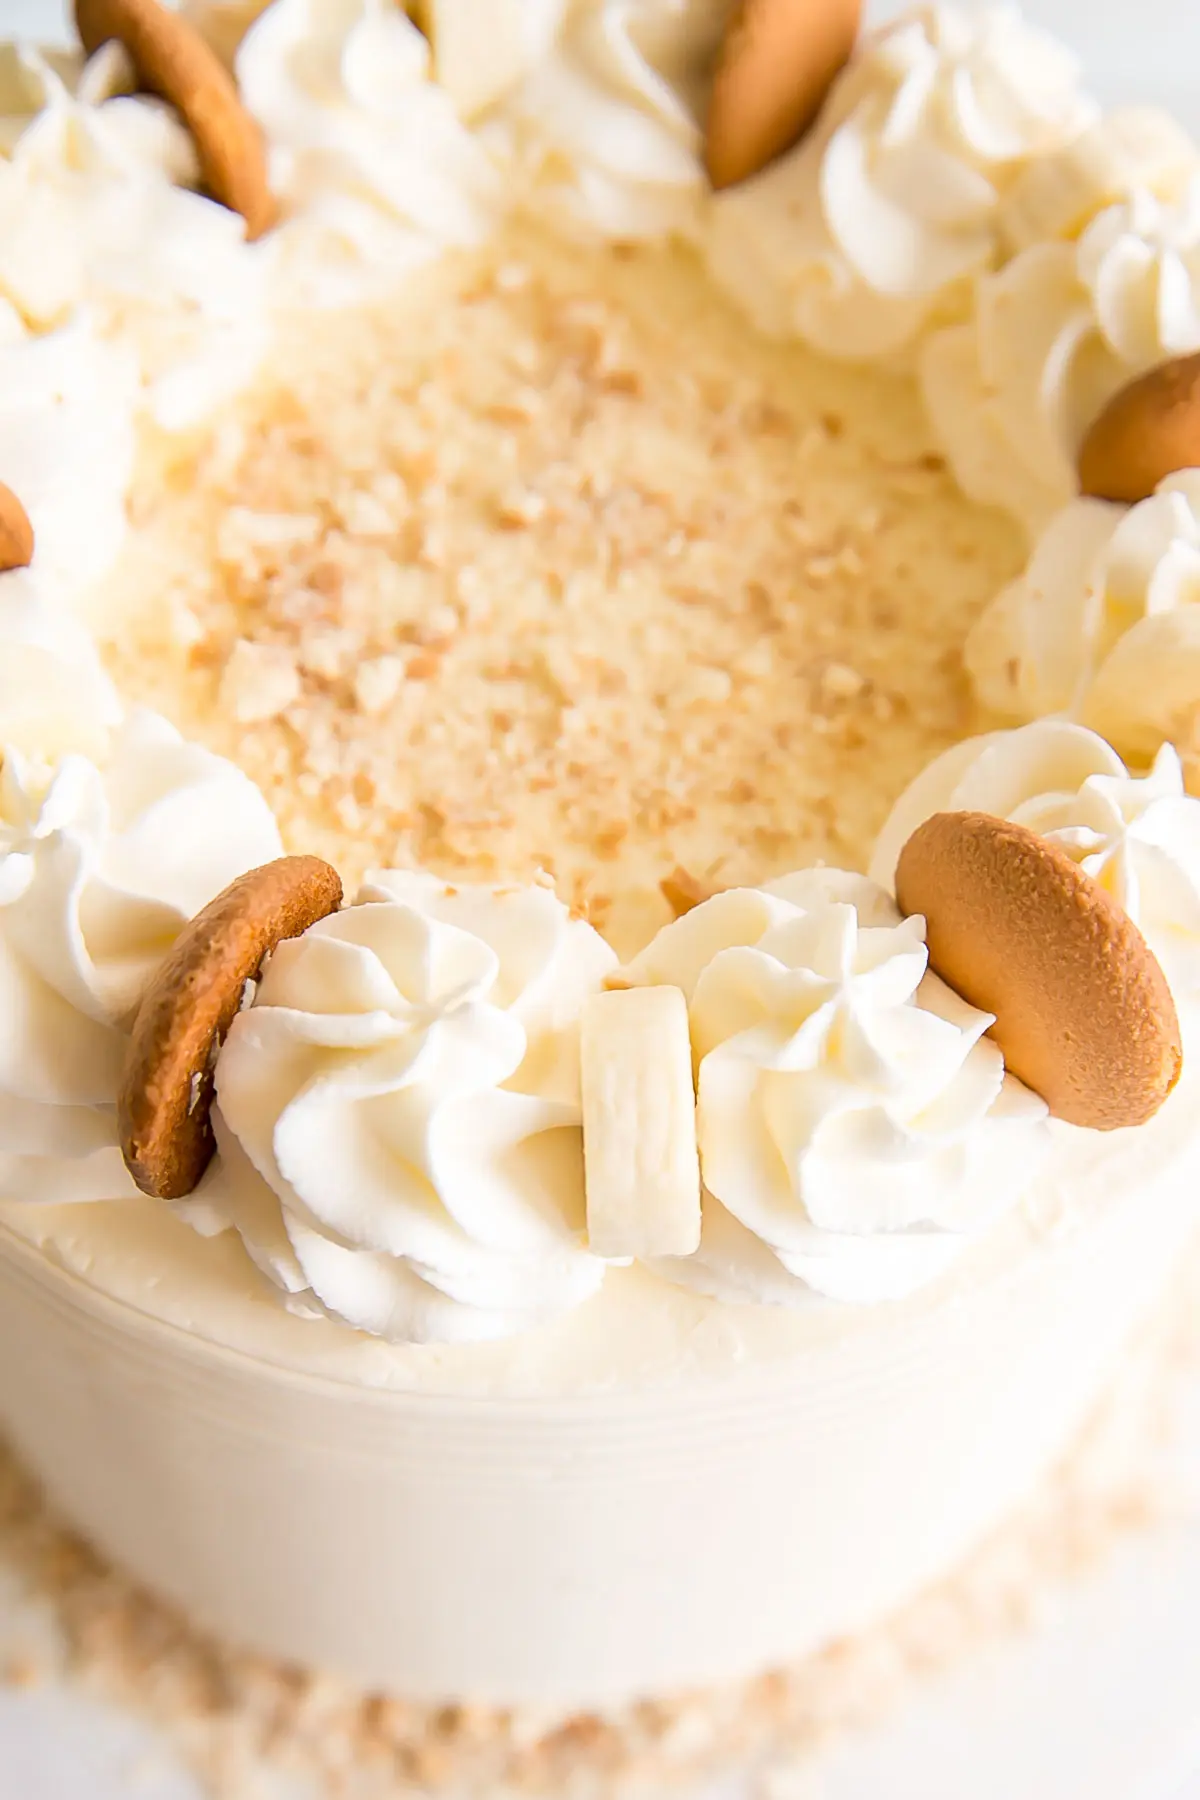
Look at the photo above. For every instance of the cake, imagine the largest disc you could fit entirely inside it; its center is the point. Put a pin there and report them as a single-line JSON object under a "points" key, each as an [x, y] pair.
{"points": [[599, 891]]}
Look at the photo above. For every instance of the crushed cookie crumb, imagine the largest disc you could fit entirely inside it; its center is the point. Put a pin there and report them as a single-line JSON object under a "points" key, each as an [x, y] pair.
{"points": [[259, 682], [683, 892], [534, 548], [840, 682]]}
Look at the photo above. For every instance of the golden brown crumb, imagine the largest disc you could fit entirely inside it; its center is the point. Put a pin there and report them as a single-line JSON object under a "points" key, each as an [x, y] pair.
{"points": [[549, 562], [683, 892]]}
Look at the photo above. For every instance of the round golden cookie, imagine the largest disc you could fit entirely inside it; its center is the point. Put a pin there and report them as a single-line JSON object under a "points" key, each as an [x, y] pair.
{"points": [[16, 533], [1083, 1012], [173, 61], [774, 70], [165, 1103], [1150, 430]]}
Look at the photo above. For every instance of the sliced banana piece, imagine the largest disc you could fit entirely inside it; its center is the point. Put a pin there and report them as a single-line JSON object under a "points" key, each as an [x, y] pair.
{"points": [[1058, 196], [641, 1162]]}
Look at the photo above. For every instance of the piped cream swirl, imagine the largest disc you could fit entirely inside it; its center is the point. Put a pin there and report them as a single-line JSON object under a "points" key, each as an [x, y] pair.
{"points": [[54, 694], [375, 170], [1137, 835], [399, 1114], [96, 211], [1055, 335], [67, 446], [604, 131], [877, 223], [1104, 623], [855, 1124], [100, 867]]}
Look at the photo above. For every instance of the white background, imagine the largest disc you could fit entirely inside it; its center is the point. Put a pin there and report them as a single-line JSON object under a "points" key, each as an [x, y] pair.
{"points": [[1103, 1700]]}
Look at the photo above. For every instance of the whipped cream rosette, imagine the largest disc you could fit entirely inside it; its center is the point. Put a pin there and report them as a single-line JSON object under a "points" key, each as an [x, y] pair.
{"points": [[67, 446], [54, 694], [100, 867], [1056, 333], [398, 1114], [482, 49], [97, 212], [880, 219], [1133, 149], [1104, 624], [855, 1124], [605, 128], [374, 169], [1137, 835]]}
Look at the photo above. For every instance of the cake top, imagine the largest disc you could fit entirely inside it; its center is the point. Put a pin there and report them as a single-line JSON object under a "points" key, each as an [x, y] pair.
{"points": [[499, 554]]}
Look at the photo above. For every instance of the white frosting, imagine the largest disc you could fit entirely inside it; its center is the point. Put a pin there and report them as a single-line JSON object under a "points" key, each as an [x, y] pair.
{"points": [[374, 168], [54, 694], [1104, 624], [1130, 150], [95, 210], [399, 1114], [1138, 836], [99, 869], [67, 445], [482, 49], [877, 222], [1055, 335], [855, 1125], [605, 130]]}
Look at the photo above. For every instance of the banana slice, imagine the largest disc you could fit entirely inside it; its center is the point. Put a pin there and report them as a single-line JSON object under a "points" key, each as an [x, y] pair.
{"points": [[641, 1163], [1057, 196]]}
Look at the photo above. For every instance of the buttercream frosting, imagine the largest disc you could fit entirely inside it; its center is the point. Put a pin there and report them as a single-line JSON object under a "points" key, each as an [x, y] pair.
{"points": [[67, 446], [1104, 624], [399, 1117], [96, 210], [482, 49], [100, 867], [1056, 333], [855, 1124], [878, 221], [1133, 149], [604, 131], [374, 169], [1137, 835], [54, 694]]}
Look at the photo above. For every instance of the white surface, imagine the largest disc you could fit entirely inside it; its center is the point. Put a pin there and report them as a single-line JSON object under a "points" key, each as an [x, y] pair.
{"points": [[1102, 1700]]}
